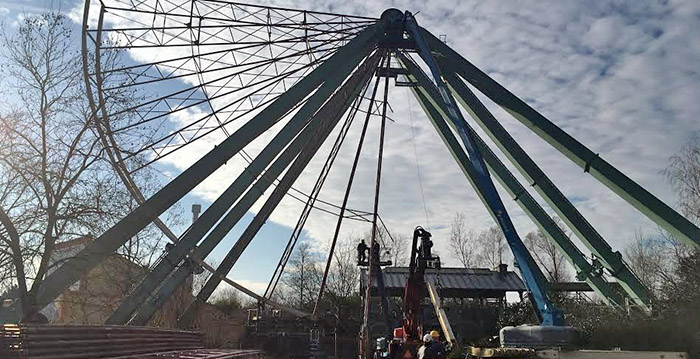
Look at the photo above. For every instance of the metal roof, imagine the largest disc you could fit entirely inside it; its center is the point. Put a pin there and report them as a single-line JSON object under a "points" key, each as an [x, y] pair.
{"points": [[454, 282]]}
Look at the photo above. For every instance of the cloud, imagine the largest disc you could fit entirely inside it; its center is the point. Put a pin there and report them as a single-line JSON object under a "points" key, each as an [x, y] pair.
{"points": [[621, 77]]}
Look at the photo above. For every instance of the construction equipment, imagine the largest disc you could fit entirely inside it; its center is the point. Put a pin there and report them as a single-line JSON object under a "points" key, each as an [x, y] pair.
{"points": [[415, 289], [526, 341], [421, 258], [408, 337], [440, 312]]}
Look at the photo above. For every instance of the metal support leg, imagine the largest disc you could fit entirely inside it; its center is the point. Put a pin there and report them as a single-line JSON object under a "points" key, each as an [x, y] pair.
{"points": [[519, 193], [116, 236], [210, 217], [333, 110], [231, 218], [544, 186], [156, 301], [534, 279], [589, 161]]}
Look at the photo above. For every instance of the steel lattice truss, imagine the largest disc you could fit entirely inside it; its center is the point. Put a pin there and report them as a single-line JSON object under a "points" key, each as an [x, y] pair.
{"points": [[214, 62], [201, 68]]}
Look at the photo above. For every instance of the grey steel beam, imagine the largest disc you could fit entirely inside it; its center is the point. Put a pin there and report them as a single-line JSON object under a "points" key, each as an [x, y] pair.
{"points": [[585, 271], [553, 196], [106, 138], [590, 162], [115, 157], [209, 218], [144, 314], [332, 111], [149, 308], [117, 235], [167, 286]]}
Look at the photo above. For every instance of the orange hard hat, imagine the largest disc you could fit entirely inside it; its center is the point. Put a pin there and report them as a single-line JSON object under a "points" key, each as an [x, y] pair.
{"points": [[435, 334]]}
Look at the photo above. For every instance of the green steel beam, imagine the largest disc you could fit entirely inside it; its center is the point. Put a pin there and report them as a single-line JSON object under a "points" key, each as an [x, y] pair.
{"points": [[94, 253], [213, 214], [331, 112], [532, 275], [585, 271], [545, 187], [591, 162], [437, 114]]}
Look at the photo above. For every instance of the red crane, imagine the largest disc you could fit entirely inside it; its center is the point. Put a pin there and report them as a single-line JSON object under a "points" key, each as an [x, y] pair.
{"points": [[408, 337]]}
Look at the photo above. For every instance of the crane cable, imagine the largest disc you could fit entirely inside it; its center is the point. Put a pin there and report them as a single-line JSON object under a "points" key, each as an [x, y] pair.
{"points": [[415, 153]]}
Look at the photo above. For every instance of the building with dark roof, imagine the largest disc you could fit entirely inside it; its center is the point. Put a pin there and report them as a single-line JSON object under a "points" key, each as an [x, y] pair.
{"points": [[454, 282], [473, 298]]}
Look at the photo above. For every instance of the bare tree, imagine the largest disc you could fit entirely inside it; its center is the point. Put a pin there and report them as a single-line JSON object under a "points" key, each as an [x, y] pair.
{"points": [[393, 246], [228, 300], [492, 247], [684, 174], [344, 275], [55, 183], [547, 255], [302, 277], [654, 259], [647, 260], [463, 242]]}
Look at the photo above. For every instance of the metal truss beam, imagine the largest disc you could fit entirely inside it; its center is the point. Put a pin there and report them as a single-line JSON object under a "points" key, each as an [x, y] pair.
{"points": [[585, 271], [534, 279], [113, 238], [214, 213], [590, 162], [331, 112], [555, 198]]}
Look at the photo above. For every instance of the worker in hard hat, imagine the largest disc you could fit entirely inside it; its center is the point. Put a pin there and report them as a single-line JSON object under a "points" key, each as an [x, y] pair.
{"points": [[437, 350], [424, 351]]}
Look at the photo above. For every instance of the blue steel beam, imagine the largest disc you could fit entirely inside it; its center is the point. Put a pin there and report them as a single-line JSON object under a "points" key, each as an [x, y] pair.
{"points": [[613, 261], [585, 271], [680, 227], [117, 235], [333, 110], [214, 213], [534, 279]]}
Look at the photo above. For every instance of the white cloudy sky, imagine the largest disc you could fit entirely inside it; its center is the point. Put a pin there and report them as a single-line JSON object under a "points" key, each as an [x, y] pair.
{"points": [[623, 77]]}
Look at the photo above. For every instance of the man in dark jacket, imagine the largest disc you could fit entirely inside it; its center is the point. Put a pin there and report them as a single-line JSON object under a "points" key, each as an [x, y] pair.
{"points": [[437, 350], [362, 252]]}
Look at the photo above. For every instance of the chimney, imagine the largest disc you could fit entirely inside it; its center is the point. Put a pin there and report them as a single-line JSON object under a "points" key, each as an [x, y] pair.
{"points": [[502, 268], [196, 209]]}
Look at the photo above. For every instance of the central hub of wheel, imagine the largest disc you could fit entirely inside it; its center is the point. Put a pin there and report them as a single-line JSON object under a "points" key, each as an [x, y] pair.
{"points": [[393, 17]]}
